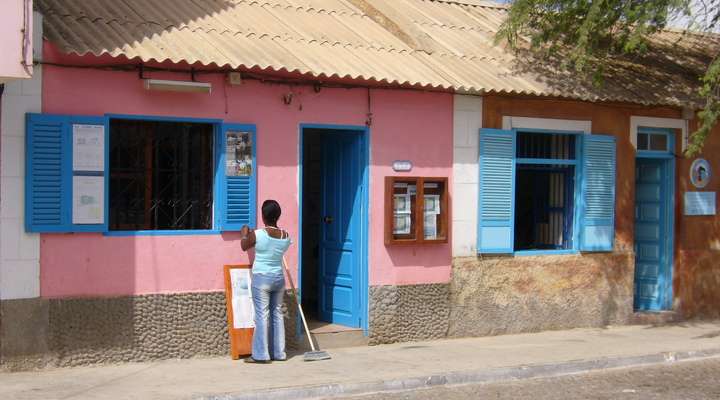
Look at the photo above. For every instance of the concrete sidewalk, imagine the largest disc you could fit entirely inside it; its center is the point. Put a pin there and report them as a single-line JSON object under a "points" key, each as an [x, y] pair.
{"points": [[370, 369]]}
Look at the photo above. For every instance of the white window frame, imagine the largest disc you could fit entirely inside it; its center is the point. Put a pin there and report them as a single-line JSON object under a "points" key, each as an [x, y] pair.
{"points": [[653, 122], [550, 124], [559, 126]]}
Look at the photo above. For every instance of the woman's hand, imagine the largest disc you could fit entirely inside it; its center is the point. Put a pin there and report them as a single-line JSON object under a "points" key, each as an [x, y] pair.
{"points": [[247, 238]]}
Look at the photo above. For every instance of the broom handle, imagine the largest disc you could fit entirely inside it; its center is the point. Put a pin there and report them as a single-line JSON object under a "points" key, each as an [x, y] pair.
{"points": [[297, 300]]}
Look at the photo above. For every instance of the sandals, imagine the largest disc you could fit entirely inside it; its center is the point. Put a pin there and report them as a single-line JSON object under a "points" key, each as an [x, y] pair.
{"points": [[251, 360]]}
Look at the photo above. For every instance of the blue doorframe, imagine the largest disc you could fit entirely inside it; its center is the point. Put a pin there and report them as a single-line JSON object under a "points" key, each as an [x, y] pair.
{"points": [[665, 159], [364, 213]]}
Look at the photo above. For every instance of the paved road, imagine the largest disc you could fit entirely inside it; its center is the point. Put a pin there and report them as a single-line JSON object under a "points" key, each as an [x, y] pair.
{"points": [[691, 380]]}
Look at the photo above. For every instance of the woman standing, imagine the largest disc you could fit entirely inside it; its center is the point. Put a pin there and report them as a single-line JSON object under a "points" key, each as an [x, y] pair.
{"points": [[268, 284]]}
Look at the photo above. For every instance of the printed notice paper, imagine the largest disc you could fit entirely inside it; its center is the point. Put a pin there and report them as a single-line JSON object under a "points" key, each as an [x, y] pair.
{"points": [[88, 148], [88, 200], [242, 306], [700, 203]]}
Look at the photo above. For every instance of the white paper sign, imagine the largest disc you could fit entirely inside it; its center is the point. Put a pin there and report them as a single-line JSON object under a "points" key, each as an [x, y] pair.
{"points": [[88, 148], [700, 203], [88, 200], [242, 305], [430, 226]]}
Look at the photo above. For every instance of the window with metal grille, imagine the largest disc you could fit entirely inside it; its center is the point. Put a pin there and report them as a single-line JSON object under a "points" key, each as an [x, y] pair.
{"points": [[544, 198], [161, 175]]}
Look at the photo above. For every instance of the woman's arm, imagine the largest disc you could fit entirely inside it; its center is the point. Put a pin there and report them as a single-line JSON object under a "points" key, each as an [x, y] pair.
{"points": [[247, 238]]}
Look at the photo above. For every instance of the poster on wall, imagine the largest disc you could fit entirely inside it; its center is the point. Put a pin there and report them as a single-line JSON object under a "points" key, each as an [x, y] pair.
{"points": [[432, 210], [238, 153], [401, 224], [432, 203], [88, 199], [88, 147], [700, 203], [700, 173], [430, 226], [402, 204], [242, 306]]}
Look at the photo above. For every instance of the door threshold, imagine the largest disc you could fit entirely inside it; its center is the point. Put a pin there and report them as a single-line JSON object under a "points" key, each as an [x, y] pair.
{"points": [[327, 327], [661, 317]]}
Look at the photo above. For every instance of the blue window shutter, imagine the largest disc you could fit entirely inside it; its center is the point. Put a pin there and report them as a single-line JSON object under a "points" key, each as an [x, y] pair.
{"points": [[235, 196], [49, 174], [45, 190], [597, 221], [496, 200]]}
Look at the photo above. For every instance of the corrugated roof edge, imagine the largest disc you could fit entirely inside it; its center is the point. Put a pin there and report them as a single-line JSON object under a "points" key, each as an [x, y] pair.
{"points": [[271, 69], [407, 84]]}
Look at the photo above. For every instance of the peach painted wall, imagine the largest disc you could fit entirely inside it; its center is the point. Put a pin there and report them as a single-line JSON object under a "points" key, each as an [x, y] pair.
{"points": [[696, 276], [406, 125]]}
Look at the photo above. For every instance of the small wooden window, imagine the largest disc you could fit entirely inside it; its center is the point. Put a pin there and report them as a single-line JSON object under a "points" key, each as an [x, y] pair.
{"points": [[416, 210]]}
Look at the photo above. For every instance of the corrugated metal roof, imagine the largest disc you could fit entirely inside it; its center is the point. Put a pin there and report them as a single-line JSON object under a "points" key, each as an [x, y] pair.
{"points": [[441, 44]]}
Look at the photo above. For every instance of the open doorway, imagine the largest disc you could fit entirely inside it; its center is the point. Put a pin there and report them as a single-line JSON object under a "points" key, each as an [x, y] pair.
{"points": [[334, 226], [311, 218]]}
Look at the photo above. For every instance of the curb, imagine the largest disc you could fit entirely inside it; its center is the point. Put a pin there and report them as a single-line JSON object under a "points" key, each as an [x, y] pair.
{"points": [[466, 377]]}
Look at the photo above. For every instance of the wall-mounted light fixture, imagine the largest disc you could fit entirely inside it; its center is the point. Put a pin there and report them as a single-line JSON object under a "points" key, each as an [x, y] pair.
{"points": [[178, 86]]}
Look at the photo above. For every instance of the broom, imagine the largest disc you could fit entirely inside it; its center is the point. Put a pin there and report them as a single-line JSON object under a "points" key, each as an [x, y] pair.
{"points": [[314, 354]]}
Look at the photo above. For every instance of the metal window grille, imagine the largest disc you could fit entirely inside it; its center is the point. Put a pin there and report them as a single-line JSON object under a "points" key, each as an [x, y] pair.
{"points": [[161, 175]]}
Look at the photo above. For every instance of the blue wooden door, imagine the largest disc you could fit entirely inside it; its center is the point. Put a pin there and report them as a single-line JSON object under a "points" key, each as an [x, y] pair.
{"points": [[652, 245], [340, 234]]}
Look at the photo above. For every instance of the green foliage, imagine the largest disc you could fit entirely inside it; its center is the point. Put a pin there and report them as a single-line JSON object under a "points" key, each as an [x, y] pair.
{"points": [[584, 33], [711, 113]]}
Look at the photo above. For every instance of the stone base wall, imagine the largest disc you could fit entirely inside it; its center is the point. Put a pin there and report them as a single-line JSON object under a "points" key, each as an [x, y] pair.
{"points": [[36, 333], [23, 334], [408, 313], [504, 295], [486, 296]]}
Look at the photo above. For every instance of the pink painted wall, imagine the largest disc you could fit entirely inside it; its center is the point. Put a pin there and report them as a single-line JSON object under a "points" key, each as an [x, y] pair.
{"points": [[407, 125], [11, 45]]}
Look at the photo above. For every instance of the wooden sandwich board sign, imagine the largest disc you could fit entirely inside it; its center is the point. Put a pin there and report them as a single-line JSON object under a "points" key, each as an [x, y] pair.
{"points": [[240, 313]]}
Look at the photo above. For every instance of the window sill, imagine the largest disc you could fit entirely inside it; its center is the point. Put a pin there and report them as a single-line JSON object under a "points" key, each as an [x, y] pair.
{"points": [[189, 232], [544, 252]]}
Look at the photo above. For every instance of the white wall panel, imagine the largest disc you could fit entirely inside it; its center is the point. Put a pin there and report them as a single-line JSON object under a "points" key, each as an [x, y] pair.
{"points": [[467, 121]]}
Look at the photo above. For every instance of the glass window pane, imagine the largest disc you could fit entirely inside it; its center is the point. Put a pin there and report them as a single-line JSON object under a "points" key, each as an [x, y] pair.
{"points": [[161, 175], [404, 200], [642, 141], [546, 146], [658, 142], [433, 210], [544, 207]]}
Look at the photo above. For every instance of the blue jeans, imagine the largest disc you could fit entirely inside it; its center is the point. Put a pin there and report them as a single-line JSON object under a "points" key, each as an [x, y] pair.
{"points": [[267, 294]]}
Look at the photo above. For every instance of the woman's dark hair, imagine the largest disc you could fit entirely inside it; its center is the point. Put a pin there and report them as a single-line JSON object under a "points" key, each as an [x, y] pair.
{"points": [[271, 211]]}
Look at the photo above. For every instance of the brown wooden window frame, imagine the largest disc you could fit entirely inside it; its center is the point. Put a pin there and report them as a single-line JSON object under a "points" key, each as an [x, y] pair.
{"points": [[418, 214]]}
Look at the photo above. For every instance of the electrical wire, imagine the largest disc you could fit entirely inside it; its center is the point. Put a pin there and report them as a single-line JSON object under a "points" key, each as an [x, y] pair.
{"points": [[26, 38], [252, 76]]}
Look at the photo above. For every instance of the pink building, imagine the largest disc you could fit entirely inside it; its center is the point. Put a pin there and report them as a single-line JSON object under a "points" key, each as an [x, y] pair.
{"points": [[159, 131]]}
